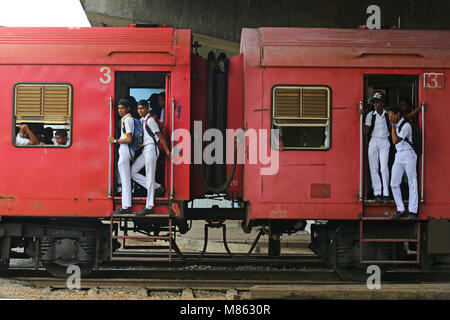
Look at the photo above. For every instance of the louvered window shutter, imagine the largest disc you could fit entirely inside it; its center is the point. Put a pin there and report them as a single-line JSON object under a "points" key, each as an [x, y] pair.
{"points": [[301, 106], [43, 103]]}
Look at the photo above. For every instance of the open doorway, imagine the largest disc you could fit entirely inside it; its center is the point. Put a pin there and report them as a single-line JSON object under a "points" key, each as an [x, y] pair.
{"points": [[396, 88], [137, 86]]}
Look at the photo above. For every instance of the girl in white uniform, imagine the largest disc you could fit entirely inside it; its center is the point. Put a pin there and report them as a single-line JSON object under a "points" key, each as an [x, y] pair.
{"points": [[125, 153]]}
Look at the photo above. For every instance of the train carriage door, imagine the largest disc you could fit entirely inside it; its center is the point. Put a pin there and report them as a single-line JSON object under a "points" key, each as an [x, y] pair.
{"points": [[152, 87], [397, 88]]}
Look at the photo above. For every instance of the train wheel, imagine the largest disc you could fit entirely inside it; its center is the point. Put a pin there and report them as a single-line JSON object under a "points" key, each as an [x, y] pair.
{"points": [[60, 271], [344, 256]]}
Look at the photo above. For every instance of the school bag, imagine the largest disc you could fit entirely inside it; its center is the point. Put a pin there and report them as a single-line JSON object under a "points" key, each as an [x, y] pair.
{"points": [[152, 135], [416, 142], [138, 135]]}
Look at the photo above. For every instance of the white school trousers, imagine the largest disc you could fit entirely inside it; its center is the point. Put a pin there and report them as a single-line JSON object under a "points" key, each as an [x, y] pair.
{"points": [[379, 155], [123, 166], [405, 161], [148, 159], [138, 164]]}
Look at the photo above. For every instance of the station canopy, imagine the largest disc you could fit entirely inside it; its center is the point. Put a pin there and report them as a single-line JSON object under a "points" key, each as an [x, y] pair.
{"points": [[43, 13]]}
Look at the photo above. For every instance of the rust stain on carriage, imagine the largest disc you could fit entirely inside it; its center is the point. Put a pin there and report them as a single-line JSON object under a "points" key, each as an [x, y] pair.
{"points": [[320, 190]]}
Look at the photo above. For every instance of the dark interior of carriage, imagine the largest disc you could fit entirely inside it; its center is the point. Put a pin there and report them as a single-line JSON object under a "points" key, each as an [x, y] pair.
{"points": [[139, 85], [396, 88]]}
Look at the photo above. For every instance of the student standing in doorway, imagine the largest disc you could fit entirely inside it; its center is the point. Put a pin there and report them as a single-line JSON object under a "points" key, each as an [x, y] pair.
{"points": [[405, 161], [149, 155], [125, 153], [377, 128]]}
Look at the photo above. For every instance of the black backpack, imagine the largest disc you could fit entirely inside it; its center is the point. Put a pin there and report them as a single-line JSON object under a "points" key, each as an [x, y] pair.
{"points": [[416, 142]]}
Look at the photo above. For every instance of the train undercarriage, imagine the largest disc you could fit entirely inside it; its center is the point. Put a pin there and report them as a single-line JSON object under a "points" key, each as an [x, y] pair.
{"points": [[58, 243]]}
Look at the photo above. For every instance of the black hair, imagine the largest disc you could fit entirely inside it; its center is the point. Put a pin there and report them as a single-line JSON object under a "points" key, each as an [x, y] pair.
{"points": [[125, 103], [61, 132], [48, 135], [162, 94], [395, 110], [408, 102], [155, 109], [143, 103]]}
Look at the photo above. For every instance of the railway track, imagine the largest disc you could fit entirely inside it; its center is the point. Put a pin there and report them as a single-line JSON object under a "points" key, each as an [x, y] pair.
{"points": [[224, 278]]}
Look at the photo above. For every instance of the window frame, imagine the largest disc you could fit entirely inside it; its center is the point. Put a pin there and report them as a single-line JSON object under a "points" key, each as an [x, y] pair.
{"points": [[309, 86], [14, 134]]}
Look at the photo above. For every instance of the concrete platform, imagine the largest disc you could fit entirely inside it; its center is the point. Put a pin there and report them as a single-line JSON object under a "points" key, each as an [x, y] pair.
{"points": [[353, 292]]}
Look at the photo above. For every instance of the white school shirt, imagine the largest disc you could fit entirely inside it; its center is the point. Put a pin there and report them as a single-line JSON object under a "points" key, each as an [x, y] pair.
{"points": [[153, 126], [128, 123], [406, 132], [380, 129], [66, 144], [21, 141]]}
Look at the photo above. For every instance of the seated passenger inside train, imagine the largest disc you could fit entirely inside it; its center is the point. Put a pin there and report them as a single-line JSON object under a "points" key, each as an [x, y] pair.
{"points": [[61, 138], [26, 137], [46, 137]]}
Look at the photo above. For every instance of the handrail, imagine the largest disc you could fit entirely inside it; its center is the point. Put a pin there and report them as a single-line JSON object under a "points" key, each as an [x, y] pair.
{"points": [[361, 151], [110, 148], [422, 105], [171, 146]]}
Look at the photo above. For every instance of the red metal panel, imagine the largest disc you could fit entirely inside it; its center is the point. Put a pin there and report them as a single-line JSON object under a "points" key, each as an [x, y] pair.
{"points": [[235, 118], [198, 113], [154, 46], [354, 48], [288, 194], [74, 181]]}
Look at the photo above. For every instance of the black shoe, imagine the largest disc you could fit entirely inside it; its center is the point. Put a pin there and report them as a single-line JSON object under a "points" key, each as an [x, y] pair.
{"points": [[378, 198], [144, 212], [412, 216], [122, 211], [386, 199], [398, 215], [160, 192]]}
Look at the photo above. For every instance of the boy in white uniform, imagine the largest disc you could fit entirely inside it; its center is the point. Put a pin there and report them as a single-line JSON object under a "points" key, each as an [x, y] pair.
{"points": [[26, 137], [149, 156], [405, 160], [125, 153], [379, 146]]}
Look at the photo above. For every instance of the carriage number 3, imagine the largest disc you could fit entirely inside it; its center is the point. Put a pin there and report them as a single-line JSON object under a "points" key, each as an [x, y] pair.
{"points": [[106, 78], [433, 80]]}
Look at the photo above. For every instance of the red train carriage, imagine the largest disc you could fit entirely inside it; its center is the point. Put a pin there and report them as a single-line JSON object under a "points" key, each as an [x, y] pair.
{"points": [[70, 78], [310, 83], [55, 201]]}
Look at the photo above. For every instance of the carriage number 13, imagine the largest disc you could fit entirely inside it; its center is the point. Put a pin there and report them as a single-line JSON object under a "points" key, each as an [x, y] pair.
{"points": [[106, 75], [433, 80]]}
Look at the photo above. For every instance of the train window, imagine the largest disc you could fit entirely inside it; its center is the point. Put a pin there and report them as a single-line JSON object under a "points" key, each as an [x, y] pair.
{"points": [[42, 115], [303, 116]]}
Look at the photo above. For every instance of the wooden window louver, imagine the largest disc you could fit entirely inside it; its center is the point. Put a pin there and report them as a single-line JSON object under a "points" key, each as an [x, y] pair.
{"points": [[301, 106], [46, 103]]}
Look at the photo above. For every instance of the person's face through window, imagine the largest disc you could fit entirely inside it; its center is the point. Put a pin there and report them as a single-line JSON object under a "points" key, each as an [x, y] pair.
{"points": [[23, 133], [123, 110], [142, 110], [60, 140]]}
